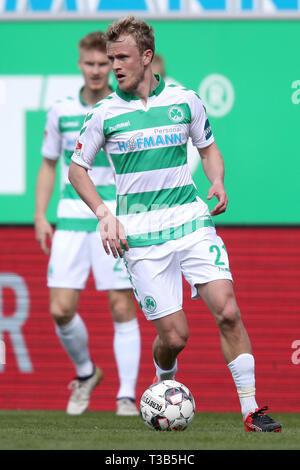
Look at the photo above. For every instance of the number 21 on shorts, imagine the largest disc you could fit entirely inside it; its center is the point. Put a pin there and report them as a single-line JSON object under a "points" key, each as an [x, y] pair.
{"points": [[218, 253]]}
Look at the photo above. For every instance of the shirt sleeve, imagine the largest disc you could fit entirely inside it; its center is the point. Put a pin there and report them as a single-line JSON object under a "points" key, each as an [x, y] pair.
{"points": [[90, 141], [52, 142], [200, 129]]}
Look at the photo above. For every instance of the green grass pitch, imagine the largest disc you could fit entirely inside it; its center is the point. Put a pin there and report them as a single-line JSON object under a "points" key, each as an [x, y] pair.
{"points": [[54, 430]]}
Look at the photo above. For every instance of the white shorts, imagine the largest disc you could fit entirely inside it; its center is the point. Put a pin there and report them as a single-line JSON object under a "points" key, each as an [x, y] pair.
{"points": [[74, 254], [156, 271]]}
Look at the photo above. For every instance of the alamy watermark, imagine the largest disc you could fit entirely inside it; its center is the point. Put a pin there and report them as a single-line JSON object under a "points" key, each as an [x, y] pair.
{"points": [[110, 227]]}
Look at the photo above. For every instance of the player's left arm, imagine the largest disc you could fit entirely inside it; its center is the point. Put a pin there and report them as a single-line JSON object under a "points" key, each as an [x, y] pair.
{"points": [[213, 167]]}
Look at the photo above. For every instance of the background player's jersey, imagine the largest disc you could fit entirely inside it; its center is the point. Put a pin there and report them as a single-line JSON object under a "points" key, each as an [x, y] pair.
{"points": [[156, 197], [64, 121]]}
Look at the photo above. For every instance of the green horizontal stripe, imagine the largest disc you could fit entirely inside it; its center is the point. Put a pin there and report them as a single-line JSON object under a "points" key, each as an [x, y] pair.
{"points": [[147, 160], [78, 225], [100, 158], [154, 200], [70, 123], [140, 119], [162, 236], [107, 193]]}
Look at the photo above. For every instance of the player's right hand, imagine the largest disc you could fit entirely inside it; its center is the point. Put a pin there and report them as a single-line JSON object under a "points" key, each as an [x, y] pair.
{"points": [[43, 234], [113, 236]]}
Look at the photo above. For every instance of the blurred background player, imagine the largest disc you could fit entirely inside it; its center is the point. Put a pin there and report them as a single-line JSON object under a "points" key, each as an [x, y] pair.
{"points": [[76, 247], [159, 66]]}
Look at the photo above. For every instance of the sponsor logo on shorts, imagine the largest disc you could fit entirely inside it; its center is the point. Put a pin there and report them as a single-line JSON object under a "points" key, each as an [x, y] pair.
{"points": [[150, 304], [224, 269]]}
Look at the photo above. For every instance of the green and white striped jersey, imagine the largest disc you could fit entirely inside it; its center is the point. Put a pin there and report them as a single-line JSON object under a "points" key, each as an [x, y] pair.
{"points": [[64, 121], [147, 146]]}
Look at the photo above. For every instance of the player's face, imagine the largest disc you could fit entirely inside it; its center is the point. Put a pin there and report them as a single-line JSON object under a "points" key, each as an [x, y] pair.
{"points": [[128, 63], [95, 68]]}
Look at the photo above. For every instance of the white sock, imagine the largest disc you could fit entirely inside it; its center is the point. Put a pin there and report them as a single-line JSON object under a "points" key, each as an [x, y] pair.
{"points": [[242, 370], [127, 349], [74, 338], [162, 374]]}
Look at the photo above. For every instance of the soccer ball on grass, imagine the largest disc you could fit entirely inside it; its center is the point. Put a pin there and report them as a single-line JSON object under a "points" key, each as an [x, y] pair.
{"points": [[167, 406]]}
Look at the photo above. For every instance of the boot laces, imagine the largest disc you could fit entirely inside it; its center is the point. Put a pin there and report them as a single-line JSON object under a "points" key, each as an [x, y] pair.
{"points": [[261, 413]]}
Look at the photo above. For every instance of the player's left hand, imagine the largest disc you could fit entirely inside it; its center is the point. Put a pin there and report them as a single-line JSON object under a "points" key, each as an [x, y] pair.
{"points": [[218, 190]]}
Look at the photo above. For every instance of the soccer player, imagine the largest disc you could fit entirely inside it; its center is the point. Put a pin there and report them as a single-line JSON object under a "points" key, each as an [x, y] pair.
{"points": [[163, 229], [76, 246]]}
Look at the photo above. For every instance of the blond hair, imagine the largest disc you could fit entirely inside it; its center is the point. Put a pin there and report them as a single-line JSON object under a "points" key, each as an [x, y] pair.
{"points": [[95, 40], [139, 29]]}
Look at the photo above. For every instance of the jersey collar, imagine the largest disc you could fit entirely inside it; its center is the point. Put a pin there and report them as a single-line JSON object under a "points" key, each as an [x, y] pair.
{"points": [[157, 90], [81, 99]]}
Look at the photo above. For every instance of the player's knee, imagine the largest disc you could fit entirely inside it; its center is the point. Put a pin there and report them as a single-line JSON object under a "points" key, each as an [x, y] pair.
{"points": [[176, 342], [122, 314], [61, 312], [122, 308], [228, 315]]}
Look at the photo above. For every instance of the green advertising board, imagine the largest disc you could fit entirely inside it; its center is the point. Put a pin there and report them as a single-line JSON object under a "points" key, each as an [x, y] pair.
{"points": [[246, 72]]}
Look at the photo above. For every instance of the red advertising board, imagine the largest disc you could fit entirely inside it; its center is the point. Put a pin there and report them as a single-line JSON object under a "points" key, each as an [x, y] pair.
{"points": [[265, 263]]}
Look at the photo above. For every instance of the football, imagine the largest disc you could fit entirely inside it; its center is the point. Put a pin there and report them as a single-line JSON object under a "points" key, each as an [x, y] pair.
{"points": [[167, 406]]}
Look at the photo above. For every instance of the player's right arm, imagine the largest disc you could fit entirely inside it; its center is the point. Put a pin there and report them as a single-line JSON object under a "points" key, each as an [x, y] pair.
{"points": [[44, 189], [89, 143], [51, 150]]}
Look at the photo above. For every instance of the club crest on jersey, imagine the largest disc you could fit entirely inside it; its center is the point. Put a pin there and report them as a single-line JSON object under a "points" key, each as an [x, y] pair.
{"points": [[176, 113]]}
